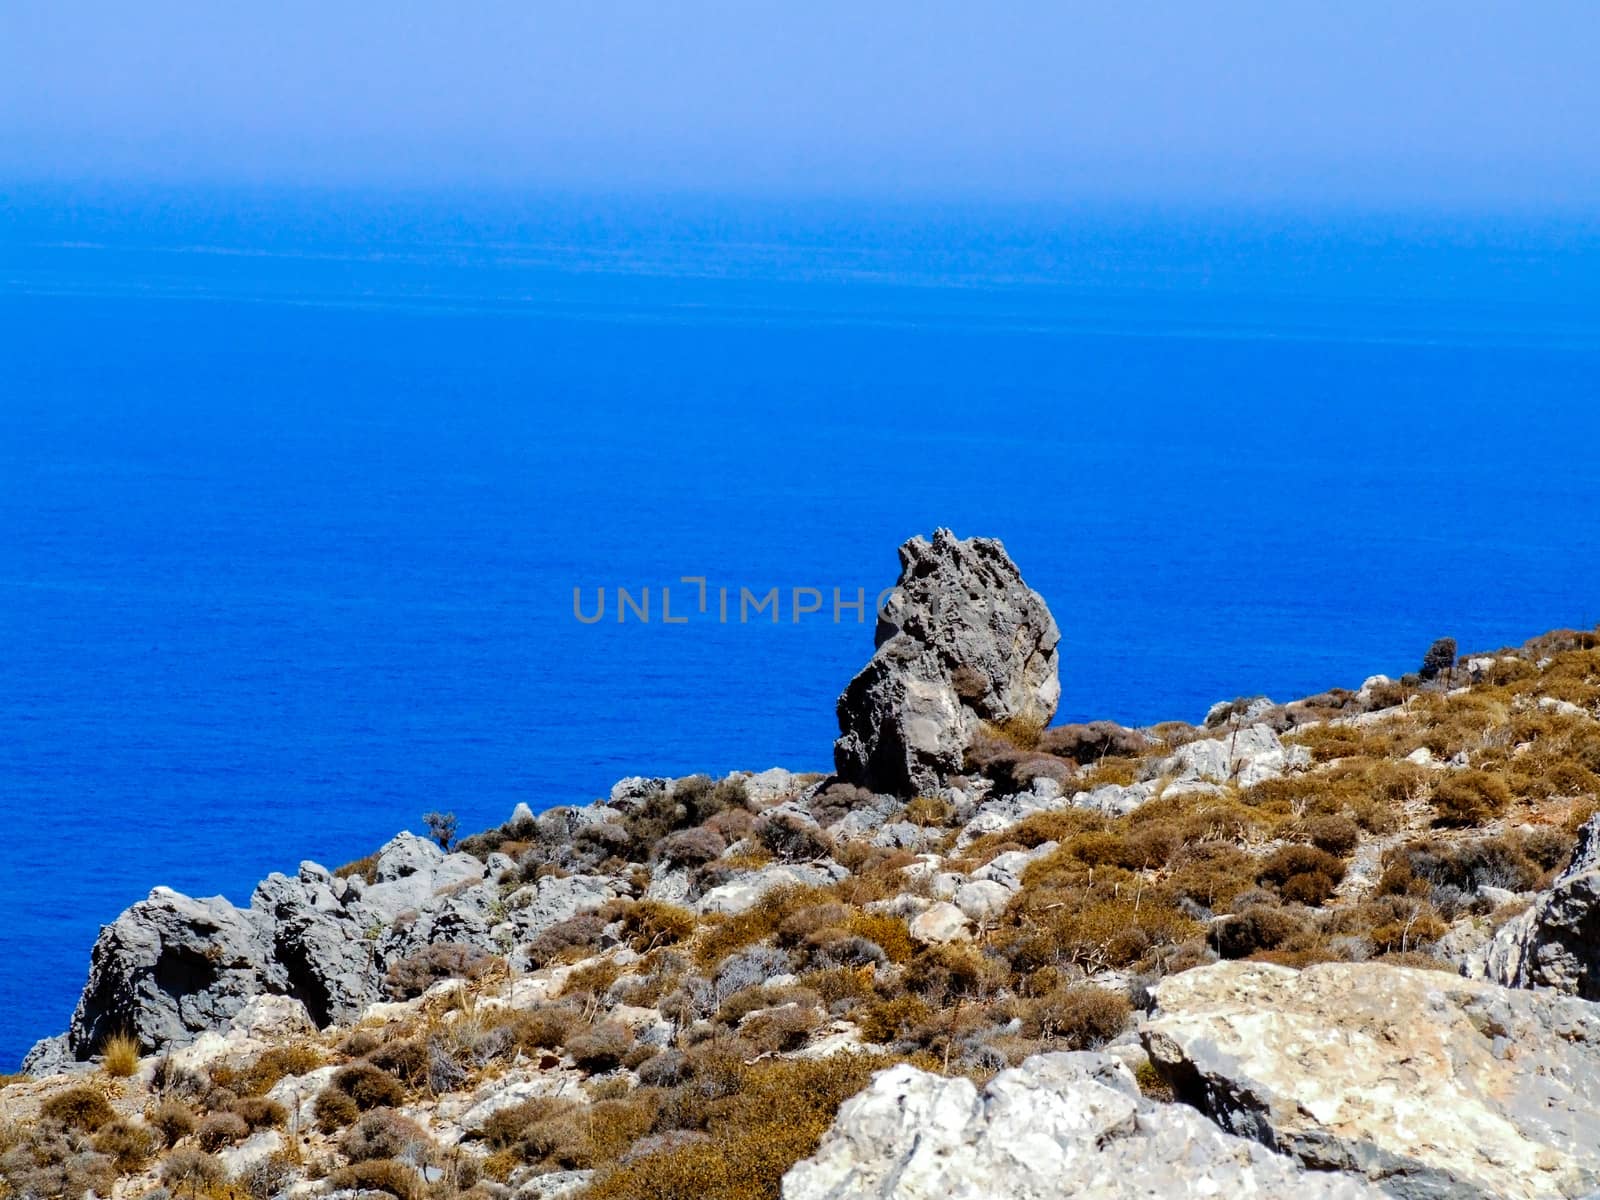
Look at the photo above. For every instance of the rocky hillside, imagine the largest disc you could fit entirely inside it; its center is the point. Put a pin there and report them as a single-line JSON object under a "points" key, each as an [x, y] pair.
{"points": [[1347, 946]]}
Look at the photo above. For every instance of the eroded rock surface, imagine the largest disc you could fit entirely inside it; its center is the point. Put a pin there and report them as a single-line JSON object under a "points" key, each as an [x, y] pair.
{"points": [[1058, 1125], [1555, 943], [172, 967], [1429, 1084], [962, 641]]}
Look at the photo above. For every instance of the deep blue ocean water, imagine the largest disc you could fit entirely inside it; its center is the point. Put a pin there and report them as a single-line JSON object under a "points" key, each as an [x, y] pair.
{"points": [[295, 490]]}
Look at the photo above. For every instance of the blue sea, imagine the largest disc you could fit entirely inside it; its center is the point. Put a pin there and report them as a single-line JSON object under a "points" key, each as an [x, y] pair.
{"points": [[296, 488]]}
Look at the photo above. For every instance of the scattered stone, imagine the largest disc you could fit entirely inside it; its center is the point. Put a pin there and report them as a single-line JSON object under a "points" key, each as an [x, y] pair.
{"points": [[941, 922], [982, 900]]}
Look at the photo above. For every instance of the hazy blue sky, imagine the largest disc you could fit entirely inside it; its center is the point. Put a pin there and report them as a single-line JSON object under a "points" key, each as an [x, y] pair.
{"points": [[1399, 101]]}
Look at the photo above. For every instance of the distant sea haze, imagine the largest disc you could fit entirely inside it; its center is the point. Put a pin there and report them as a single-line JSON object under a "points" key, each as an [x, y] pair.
{"points": [[295, 493]]}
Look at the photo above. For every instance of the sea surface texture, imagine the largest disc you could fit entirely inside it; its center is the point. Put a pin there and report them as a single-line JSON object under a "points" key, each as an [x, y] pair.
{"points": [[295, 492]]}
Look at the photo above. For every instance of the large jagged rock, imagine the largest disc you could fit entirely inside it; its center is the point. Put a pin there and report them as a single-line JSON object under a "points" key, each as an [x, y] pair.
{"points": [[318, 941], [1555, 943], [171, 967], [962, 641], [1431, 1085], [1058, 1125]]}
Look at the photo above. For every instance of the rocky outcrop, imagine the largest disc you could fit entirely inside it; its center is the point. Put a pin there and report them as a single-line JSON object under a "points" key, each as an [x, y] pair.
{"points": [[1431, 1085], [1555, 943], [962, 641], [1058, 1125], [172, 967]]}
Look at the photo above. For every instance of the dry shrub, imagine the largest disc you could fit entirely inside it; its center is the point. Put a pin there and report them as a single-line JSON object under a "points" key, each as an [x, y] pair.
{"points": [[1038, 829], [506, 1127], [719, 939], [776, 1115], [334, 1110], [1094, 918], [81, 1107], [928, 812], [1466, 865], [369, 1086], [958, 970], [891, 934], [380, 1175], [366, 869], [651, 924], [576, 937], [258, 1112], [693, 847], [791, 838], [410, 977], [221, 1129], [128, 1144], [191, 1173], [407, 1059], [1211, 874], [173, 1119], [1302, 874], [893, 1019], [1094, 741], [271, 1067], [384, 1133], [591, 981], [840, 986], [119, 1055], [781, 1030], [1082, 1017], [807, 922], [271, 1177], [1469, 798], [51, 1161], [567, 1136], [1256, 928], [602, 1048], [1112, 769], [1328, 742], [1334, 834], [765, 995], [544, 1026]]}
